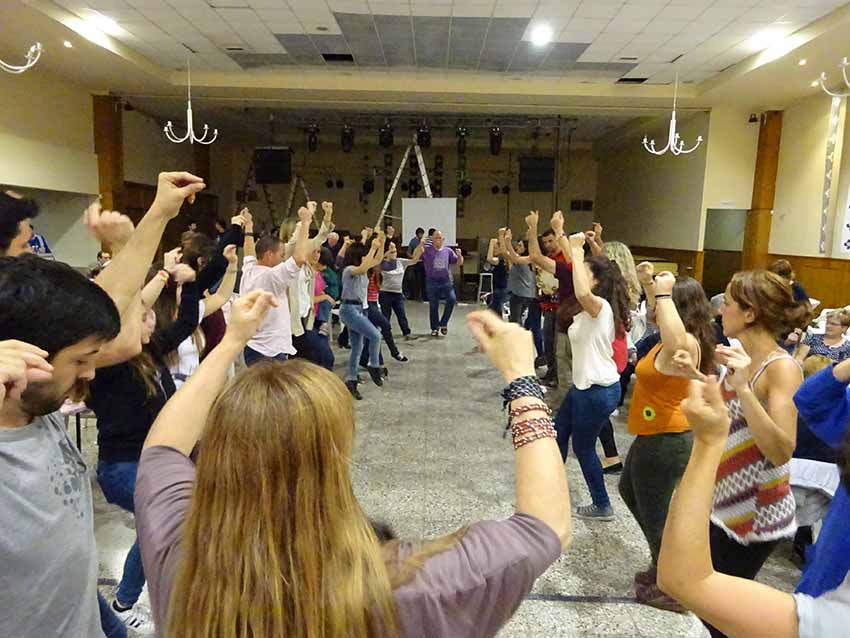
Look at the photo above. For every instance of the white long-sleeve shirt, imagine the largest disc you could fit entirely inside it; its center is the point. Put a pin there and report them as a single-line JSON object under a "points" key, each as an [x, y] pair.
{"points": [[275, 334]]}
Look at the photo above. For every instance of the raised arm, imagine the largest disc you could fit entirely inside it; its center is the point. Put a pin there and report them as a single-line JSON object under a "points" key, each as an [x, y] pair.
{"points": [[376, 254], [584, 294], [326, 227], [674, 337], [181, 422], [594, 239], [491, 252], [302, 241], [225, 290], [170, 338], [557, 224], [128, 343], [417, 254], [507, 247], [724, 601], [774, 429], [537, 258], [541, 484], [249, 249], [824, 403], [153, 289], [126, 273]]}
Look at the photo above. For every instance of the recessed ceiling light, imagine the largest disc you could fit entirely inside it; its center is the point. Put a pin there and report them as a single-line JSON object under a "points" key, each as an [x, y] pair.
{"points": [[541, 35], [67, 44], [815, 83], [321, 29], [104, 23], [802, 62]]}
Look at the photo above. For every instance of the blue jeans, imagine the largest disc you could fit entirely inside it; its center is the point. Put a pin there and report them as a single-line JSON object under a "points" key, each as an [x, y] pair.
{"points": [[498, 299], [314, 347], [582, 416], [359, 327], [440, 291], [324, 312], [112, 627], [252, 356], [118, 481], [393, 302]]}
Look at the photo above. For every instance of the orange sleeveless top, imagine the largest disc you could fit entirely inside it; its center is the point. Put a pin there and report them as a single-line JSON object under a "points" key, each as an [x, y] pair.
{"points": [[655, 401]]}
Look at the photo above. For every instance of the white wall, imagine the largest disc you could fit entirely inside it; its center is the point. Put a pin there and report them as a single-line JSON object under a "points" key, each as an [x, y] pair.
{"points": [[795, 229], [147, 152]]}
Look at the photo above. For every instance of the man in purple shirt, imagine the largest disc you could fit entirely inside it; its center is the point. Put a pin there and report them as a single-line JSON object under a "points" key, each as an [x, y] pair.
{"points": [[438, 260]]}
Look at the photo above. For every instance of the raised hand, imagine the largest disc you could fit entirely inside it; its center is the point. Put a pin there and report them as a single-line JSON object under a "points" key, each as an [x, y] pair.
{"points": [[312, 206], [683, 366], [108, 226], [238, 220], [558, 222], [508, 235], [597, 231], [328, 207], [577, 241], [249, 220], [21, 363], [347, 240], [706, 413], [458, 252], [183, 273], [172, 189], [532, 219], [645, 272], [229, 253], [738, 363], [305, 215], [509, 347], [247, 313], [171, 259], [377, 242], [365, 233], [664, 282]]}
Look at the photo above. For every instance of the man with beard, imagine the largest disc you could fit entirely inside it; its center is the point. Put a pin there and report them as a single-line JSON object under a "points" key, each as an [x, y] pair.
{"points": [[56, 328]]}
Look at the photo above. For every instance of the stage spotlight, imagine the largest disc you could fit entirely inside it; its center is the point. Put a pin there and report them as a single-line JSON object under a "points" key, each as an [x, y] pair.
{"points": [[495, 190], [465, 189], [423, 135], [312, 138], [385, 135], [329, 183], [506, 189], [404, 186], [340, 183], [368, 185], [347, 139], [461, 133], [495, 140]]}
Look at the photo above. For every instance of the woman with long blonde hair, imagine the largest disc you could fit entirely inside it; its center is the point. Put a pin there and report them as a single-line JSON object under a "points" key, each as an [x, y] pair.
{"points": [[264, 537]]}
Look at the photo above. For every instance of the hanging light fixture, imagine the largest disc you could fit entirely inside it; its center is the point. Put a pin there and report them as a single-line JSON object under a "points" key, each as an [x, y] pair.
{"points": [[190, 130], [32, 57], [822, 80], [675, 144]]}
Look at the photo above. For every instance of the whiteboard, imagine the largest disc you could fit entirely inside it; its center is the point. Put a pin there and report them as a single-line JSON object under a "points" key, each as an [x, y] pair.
{"points": [[437, 212]]}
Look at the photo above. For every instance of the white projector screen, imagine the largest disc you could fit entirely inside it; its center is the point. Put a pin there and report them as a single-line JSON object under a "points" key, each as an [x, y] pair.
{"points": [[437, 212]]}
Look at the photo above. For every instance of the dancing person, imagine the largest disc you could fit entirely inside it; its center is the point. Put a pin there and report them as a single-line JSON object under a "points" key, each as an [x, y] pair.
{"points": [[833, 343], [50, 563], [264, 268], [390, 297], [373, 312], [729, 602], [753, 505], [16, 215], [522, 287], [662, 445], [296, 517], [550, 303], [416, 288], [438, 260], [353, 313], [824, 404], [601, 292], [499, 270]]}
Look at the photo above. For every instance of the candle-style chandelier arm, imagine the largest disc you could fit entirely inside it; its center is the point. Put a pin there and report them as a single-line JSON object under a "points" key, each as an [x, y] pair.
{"points": [[33, 55], [168, 129], [675, 144], [822, 79]]}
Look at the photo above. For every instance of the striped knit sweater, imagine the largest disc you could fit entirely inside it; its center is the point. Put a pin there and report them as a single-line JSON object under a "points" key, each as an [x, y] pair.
{"points": [[753, 502]]}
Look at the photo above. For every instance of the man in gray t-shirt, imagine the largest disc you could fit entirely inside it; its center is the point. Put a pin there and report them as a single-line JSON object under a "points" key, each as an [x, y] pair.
{"points": [[48, 583]]}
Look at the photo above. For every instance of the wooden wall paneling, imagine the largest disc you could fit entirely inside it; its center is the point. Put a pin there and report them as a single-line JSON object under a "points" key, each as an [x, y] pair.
{"points": [[109, 147], [823, 278], [690, 262], [757, 230], [720, 265]]}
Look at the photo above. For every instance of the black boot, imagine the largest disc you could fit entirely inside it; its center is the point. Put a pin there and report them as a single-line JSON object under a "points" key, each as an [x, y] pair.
{"points": [[376, 374], [352, 387]]}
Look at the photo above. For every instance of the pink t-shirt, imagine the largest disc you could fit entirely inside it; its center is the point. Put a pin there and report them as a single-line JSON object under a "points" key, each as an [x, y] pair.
{"points": [[318, 289]]}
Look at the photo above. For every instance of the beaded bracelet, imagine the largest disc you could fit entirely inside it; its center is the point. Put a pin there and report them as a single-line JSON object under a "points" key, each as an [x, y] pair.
{"points": [[532, 423], [534, 435], [164, 274], [522, 387], [533, 407]]}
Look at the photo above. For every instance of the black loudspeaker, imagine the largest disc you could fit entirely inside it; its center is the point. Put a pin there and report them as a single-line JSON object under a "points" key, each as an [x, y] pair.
{"points": [[536, 174], [273, 165]]}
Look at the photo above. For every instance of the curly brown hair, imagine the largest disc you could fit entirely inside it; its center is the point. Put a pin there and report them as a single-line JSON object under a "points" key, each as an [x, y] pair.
{"points": [[611, 286]]}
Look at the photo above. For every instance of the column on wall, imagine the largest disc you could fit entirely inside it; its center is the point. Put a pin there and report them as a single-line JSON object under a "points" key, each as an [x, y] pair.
{"points": [[109, 147], [757, 230]]}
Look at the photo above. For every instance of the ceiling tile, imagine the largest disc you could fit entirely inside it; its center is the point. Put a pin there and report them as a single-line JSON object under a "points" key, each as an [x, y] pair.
{"points": [[235, 16], [431, 37], [627, 25], [467, 40], [503, 37], [348, 6], [556, 9], [563, 55], [301, 49], [359, 30], [528, 57], [259, 60], [515, 9], [590, 25], [591, 9], [568, 35], [396, 33], [681, 12], [389, 8], [470, 11], [665, 27]]}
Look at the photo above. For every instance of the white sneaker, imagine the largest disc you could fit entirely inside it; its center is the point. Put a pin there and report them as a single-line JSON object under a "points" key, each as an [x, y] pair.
{"points": [[616, 412], [137, 618]]}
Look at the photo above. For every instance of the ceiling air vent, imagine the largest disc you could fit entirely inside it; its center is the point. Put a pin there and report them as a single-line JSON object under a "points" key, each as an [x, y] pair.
{"points": [[234, 48], [338, 58], [677, 58], [632, 80], [628, 58]]}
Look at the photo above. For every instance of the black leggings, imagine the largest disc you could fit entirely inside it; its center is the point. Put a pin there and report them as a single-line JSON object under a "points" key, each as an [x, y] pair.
{"points": [[383, 324], [730, 557]]}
